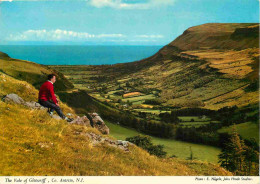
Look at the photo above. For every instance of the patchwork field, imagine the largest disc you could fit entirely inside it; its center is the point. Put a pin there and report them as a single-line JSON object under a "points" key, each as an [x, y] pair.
{"points": [[199, 78], [235, 64]]}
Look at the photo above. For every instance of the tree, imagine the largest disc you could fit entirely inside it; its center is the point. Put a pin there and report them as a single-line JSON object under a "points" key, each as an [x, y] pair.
{"points": [[251, 157], [169, 117], [232, 156], [145, 142]]}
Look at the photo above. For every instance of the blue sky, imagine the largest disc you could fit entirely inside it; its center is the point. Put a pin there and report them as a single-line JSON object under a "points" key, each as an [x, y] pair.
{"points": [[115, 22]]}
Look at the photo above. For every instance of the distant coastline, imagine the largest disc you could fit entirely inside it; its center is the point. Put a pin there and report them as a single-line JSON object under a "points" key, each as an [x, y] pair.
{"points": [[79, 54]]}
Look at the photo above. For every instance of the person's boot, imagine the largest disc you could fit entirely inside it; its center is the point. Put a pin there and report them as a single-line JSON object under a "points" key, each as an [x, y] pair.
{"points": [[50, 111], [69, 119]]}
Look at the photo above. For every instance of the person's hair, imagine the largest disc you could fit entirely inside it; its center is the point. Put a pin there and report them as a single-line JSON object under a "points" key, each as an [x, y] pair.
{"points": [[50, 76]]}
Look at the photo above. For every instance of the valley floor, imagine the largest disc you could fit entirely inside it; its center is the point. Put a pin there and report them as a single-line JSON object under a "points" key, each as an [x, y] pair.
{"points": [[180, 149]]}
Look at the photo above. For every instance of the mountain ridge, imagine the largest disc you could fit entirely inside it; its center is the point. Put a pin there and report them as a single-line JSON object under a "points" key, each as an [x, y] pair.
{"points": [[218, 36]]}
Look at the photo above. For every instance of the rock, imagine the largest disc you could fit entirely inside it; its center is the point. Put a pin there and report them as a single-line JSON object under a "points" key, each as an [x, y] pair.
{"points": [[45, 144], [81, 121], [18, 100], [123, 143], [34, 105], [98, 123], [56, 117], [13, 98], [98, 139]]}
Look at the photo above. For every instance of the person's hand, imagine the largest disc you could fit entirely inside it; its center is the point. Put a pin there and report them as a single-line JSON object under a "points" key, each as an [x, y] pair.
{"points": [[58, 104]]}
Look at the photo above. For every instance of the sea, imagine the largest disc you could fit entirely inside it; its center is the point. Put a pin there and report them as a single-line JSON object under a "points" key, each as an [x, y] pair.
{"points": [[78, 54]]}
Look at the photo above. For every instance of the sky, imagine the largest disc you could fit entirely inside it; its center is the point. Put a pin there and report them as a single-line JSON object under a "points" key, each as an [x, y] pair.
{"points": [[114, 22]]}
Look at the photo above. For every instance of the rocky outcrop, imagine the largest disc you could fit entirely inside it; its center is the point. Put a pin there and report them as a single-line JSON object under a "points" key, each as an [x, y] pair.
{"points": [[34, 105], [81, 121], [98, 139], [93, 119], [98, 123], [14, 98]]}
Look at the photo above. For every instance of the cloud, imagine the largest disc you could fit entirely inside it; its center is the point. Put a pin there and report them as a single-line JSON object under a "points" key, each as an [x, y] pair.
{"points": [[58, 35], [67, 35], [125, 4], [149, 36], [118, 4]]}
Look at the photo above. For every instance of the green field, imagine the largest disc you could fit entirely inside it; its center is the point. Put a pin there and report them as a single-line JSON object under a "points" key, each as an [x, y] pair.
{"points": [[246, 130], [142, 98], [179, 148]]}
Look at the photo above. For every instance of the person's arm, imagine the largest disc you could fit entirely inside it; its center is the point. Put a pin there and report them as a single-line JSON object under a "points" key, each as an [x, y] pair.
{"points": [[53, 97]]}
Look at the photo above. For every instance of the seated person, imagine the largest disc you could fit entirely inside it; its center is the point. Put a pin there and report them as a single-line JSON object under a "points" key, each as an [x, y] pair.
{"points": [[48, 99]]}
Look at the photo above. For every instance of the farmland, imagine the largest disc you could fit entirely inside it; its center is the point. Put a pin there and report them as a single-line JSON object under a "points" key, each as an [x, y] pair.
{"points": [[212, 80]]}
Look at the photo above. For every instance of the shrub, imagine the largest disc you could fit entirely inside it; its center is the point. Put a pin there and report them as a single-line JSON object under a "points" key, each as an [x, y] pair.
{"points": [[152, 101], [145, 142]]}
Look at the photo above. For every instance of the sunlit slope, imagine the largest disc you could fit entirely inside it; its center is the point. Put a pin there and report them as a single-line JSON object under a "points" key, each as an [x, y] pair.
{"points": [[32, 143], [219, 36], [31, 72]]}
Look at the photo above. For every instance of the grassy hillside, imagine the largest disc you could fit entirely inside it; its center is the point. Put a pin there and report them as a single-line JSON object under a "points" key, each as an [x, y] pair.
{"points": [[219, 36], [33, 73], [34, 144]]}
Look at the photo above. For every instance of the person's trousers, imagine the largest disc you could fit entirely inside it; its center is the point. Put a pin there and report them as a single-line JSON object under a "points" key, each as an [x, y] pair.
{"points": [[52, 106]]}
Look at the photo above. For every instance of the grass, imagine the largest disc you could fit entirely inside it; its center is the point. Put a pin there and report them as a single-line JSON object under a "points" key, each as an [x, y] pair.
{"points": [[247, 130], [33, 73], [68, 151], [139, 98], [179, 148]]}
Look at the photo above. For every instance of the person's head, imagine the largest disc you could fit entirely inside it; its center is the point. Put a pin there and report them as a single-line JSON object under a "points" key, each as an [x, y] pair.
{"points": [[52, 78]]}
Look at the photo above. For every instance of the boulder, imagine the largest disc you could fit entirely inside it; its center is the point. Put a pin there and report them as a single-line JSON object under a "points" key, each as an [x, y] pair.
{"points": [[96, 139], [81, 121], [98, 123], [56, 117], [34, 105], [18, 100], [13, 98], [123, 143]]}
